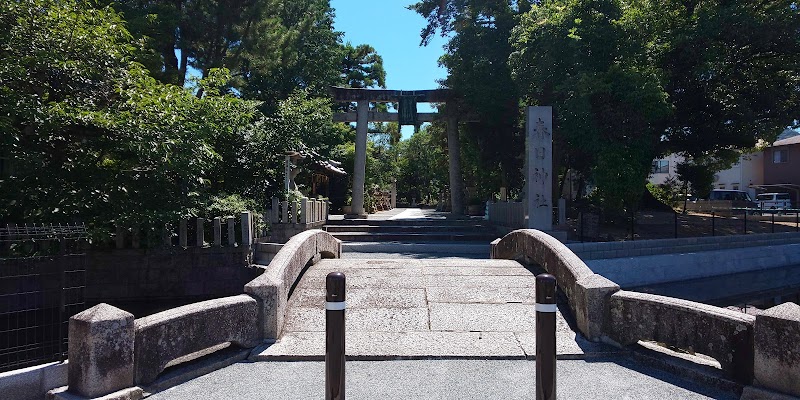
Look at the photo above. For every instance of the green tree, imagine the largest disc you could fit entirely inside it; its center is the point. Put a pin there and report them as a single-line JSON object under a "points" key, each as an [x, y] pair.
{"points": [[476, 59], [92, 136], [422, 166]]}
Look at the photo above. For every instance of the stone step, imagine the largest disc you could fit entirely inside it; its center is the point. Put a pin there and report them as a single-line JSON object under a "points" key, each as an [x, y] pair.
{"points": [[405, 228], [416, 237], [407, 222]]}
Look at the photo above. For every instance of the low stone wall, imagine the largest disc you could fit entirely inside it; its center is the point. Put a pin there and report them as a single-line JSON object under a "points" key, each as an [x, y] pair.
{"points": [[168, 335], [586, 291], [272, 287], [725, 335]]}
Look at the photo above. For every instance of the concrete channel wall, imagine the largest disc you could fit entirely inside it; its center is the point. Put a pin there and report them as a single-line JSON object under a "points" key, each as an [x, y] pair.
{"points": [[648, 262], [754, 350]]}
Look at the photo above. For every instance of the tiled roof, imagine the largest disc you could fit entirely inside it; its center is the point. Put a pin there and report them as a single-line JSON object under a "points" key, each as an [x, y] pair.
{"points": [[787, 141]]}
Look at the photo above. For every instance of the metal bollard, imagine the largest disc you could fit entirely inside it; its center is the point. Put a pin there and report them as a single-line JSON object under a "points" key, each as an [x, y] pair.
{"points": [[545, 337], [676, 225], [334, 336], [713, 223], [773, 221], [745, 221]]}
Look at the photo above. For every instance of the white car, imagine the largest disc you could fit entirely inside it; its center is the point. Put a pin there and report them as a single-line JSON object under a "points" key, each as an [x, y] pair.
{"points": [[774, 201]]}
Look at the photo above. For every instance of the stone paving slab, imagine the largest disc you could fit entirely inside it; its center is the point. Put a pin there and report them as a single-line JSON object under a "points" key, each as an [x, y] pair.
{"points": [[356, 273], [356, 281], [423, 308], [364, 298], [392, 345], [504, 295], [482, 317], [301, 319], [483, 282], [476, 271]]}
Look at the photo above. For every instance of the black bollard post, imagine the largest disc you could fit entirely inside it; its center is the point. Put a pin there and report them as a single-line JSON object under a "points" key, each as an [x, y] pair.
{"points": [[676, 225], [545, 337], [334, 336], [773, 221], [745, 221], [713, 222]]}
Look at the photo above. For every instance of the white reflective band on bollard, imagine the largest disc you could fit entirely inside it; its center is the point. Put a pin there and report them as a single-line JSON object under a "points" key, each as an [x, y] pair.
{"points": [[335, 305], [546, 307]]}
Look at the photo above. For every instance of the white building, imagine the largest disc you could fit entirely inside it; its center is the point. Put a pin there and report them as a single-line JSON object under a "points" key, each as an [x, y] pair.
{"points": [[748, 171]]}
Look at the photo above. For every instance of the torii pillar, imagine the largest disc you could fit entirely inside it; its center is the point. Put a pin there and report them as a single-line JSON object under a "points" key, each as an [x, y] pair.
{"points": [[454, 155], [360, 163], [363, 116]]}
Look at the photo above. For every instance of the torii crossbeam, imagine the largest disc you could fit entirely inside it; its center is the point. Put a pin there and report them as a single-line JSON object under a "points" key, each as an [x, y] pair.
{"points": [[363, 116]]}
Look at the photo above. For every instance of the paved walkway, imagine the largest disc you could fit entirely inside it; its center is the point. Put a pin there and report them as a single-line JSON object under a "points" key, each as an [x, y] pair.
{"points": [[423, 308], [606, 378]]}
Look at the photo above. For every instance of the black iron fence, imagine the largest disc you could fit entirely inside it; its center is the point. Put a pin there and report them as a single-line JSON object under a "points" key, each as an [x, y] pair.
{"points": [[662, 225], [42, 283]]}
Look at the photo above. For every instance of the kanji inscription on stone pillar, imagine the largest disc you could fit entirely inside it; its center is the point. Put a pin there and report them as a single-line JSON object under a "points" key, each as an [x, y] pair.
{"points": [[539, 167]]}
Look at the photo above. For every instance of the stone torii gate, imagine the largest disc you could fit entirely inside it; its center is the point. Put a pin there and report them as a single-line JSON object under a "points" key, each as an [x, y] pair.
{"points": [[362, 117]]}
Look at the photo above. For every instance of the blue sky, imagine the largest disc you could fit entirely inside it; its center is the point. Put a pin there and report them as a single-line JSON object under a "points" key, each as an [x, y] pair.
{"points": [[394, 32]]}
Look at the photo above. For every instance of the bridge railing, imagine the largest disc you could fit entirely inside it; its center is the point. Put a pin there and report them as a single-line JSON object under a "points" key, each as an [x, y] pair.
{"points": [[109, 351], [759, 350], [288, 218]]}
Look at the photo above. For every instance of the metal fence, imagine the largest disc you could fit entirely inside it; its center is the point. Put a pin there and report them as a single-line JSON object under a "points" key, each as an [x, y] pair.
{"points": [[662, 225], [42, 283]]}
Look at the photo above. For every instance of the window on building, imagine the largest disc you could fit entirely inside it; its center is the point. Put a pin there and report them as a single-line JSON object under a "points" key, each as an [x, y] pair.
{"points": [[660, 167], [780, 156], [735, 186]]}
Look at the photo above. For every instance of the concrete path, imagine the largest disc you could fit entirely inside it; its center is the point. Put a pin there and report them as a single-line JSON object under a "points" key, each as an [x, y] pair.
{"points": [[604, 378], [404, 308]]}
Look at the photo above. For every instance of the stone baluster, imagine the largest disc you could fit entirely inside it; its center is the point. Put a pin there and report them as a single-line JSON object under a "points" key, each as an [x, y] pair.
{"points": [[304, 217], [217, 223], [285, 210], [231, 232], [247, 228], [201, 240], [182, 233], [276, 212]]}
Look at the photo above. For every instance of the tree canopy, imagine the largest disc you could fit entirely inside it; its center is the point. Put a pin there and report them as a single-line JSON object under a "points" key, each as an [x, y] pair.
{"points": [[629, 80], [99, 126]]}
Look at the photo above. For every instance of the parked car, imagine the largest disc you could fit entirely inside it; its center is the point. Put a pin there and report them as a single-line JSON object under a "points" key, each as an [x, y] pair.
{"points": [[738, 198], [774, 201]]}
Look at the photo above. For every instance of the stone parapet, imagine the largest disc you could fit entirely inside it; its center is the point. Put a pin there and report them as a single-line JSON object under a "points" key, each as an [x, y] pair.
{"points": [[177, 332], [586, 291], [101, 348], [725, 335], [777, 348], [272, 287]]}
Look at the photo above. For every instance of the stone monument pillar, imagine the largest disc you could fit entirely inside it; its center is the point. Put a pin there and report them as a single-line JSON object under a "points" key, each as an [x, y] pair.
{"points": [[360, 163], [454, 154], [539, 167]]}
